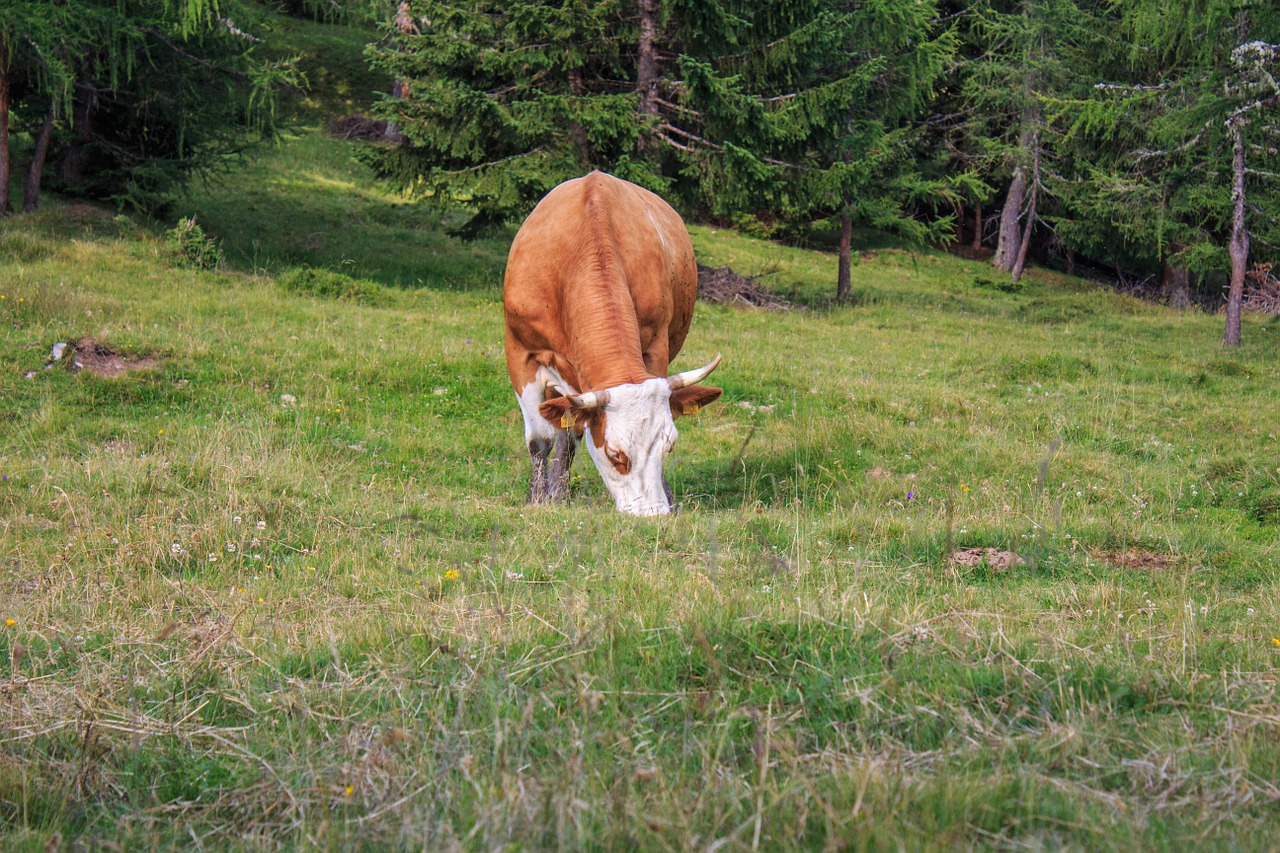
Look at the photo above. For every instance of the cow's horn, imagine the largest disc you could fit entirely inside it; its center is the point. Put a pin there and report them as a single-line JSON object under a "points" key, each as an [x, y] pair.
{"points": [[692, 377], [551, 378], [589, 400]]}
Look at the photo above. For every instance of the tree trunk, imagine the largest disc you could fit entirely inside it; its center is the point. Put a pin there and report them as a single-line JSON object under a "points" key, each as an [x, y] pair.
{"points": [[1177, 286], [5, 209], [844, 269], [1007, 245], [31, 191], [977, 227], [399, 87], [647, 67], [576, 133], [1238, 247], [1021, 262], [71, 164]]}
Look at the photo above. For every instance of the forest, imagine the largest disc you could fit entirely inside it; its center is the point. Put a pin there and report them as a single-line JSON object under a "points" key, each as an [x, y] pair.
{"points": [[1134, 140]]}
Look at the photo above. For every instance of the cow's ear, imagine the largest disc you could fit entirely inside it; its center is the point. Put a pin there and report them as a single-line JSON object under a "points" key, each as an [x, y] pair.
{"points": [[686, 401], [562, 415]]}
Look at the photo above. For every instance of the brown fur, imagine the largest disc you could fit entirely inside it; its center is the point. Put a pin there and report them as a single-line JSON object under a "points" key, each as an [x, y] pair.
{"points": [[593, 291]]}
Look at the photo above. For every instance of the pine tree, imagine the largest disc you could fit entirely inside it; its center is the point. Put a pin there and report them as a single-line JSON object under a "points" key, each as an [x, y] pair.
{"points": [[816, 117], [776, 110], [128, 96], [1172, 168], [501, 101], [1020, 55]]}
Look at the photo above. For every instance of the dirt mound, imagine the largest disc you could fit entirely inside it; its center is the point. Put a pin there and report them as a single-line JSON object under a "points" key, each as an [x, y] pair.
{"points": [[996, 560], [969, 253], [101, 360], [357, 127], [723, 286]]}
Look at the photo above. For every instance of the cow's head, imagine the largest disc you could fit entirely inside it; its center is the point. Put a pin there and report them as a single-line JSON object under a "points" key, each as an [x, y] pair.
{"points": [[630, 429]]}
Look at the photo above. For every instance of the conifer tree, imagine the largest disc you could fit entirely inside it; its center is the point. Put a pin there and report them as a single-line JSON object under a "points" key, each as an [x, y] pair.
{"points": [[817, 117], [1173, 168], [779, 110], [1021, 54], [128, 96]]}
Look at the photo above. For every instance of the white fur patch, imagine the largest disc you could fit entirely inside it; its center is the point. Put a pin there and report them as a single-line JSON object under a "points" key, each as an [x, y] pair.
{"points": [[535, 425], [638, 423], [656, 227]]}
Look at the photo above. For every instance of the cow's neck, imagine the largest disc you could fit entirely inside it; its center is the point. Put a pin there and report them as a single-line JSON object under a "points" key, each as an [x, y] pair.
{"points": [[605, 336]]}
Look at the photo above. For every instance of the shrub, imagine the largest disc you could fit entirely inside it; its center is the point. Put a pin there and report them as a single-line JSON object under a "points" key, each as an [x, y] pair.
{"points": [[192, 247]]}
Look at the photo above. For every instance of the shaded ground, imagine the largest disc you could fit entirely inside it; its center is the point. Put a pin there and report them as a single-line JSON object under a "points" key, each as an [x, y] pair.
{"points": [[357, 127]]}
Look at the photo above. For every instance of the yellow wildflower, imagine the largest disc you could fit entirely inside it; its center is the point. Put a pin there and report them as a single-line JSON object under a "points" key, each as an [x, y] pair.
{"points": [[11, 622], [349, 790], [451, 575]]}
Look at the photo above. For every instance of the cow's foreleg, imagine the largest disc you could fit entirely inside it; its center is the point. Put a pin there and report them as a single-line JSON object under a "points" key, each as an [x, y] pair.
{"points": [[561, 461], [548, 461], [540, 466]]}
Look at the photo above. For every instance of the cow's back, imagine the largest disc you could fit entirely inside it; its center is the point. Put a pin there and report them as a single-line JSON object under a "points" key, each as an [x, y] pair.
{"points": [[600, 281]]}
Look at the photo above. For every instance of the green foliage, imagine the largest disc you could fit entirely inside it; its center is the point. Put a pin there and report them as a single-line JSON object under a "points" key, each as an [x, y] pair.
{"points": [[781, 110], [191, 247], [505, 101], [1152, 136], [144, 94]]}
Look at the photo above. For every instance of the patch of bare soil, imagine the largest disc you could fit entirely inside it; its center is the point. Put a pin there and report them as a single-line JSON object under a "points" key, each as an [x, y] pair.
{"points": [[996, 560], [101, 360], [723, 286], [1137, 559], [358, 127]]}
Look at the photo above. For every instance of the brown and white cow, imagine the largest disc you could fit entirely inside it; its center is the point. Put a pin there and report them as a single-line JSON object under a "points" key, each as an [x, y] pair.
{"points": [[598, 296]]}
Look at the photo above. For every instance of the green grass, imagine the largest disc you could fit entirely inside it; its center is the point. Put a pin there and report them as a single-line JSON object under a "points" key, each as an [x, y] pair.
{"points": [[328, 619], [793, 651]]}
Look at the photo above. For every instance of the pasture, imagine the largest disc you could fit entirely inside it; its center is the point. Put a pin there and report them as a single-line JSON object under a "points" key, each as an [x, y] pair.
{"points": [[281, 588]]}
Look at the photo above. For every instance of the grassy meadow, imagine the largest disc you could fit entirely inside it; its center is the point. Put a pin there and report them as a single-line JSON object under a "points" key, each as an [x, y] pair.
{"points": [[281, 589]]}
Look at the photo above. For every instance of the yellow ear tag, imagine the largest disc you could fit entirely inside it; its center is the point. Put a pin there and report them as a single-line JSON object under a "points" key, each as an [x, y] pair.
{"points": [[566, 420], [690, 408]]}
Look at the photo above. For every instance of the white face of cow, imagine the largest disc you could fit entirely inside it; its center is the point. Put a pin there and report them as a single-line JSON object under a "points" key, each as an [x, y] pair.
{"points": [[639, 432], [638, 426]]}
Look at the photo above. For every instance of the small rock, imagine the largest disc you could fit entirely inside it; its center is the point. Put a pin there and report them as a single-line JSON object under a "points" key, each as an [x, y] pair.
{"points": [[30, 374], [58, 349], [288, 400]]}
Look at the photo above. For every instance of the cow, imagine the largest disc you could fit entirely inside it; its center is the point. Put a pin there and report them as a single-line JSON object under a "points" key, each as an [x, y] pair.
{"points": [[598, 296]]}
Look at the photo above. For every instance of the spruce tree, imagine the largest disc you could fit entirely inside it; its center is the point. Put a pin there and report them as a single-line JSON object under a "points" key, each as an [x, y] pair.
{"points": [[128, 97], [776, 110], [1174, 170], [1017, 56]]}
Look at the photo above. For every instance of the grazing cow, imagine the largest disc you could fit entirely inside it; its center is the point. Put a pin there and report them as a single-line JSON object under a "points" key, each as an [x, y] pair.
{"points": [[598, 296]]}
